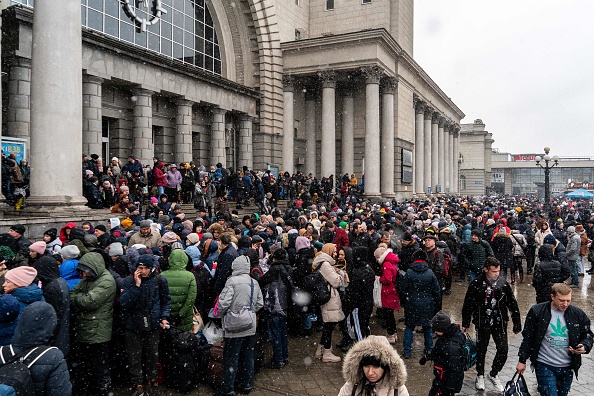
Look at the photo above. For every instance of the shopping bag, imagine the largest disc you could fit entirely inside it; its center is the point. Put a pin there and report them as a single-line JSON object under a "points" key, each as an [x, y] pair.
{"points": [[516, 386], [377, 293], [212, 333]]}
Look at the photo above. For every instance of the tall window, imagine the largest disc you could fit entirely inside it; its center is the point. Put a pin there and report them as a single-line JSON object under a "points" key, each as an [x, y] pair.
{"points": [[329, 5], [185, 32]]}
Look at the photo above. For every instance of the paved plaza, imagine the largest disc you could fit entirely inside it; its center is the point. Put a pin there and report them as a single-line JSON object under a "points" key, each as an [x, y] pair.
{"points": [[306, 375]]}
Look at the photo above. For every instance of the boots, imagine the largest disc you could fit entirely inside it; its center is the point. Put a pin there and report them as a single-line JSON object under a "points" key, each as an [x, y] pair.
{"points": [[513, 276], [319, 351], [329, 357], [521, 271]]}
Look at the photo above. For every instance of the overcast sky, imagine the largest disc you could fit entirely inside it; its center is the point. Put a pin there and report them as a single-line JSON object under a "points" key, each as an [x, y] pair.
{"points": [[525, 67]]}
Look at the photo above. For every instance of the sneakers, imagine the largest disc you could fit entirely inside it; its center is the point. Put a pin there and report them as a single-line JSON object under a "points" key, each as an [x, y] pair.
{"points": [[392, 338], [479, 384], [496, 382], [139, 391]]}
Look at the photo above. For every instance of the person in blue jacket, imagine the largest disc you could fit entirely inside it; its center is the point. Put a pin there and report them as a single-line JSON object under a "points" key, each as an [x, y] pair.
{"points": [[9, 315], [18, 282], [68, 270]]}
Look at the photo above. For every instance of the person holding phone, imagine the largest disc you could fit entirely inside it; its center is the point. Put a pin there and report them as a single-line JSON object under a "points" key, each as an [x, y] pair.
{"points": [[146, 306]]}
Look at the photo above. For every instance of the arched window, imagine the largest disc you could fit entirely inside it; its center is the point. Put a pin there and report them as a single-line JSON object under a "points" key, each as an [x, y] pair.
{"points": [[185, 30]]}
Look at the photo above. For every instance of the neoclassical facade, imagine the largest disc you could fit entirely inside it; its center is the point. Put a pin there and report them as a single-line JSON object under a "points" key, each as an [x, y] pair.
{"points": [[316, 86]]}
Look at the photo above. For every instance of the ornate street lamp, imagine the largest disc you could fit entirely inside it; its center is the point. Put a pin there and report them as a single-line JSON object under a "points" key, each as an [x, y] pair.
{"points": [[547, 169]]}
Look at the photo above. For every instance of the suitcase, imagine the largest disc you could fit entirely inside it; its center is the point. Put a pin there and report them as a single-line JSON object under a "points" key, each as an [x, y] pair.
{"points": [[215, 368]]}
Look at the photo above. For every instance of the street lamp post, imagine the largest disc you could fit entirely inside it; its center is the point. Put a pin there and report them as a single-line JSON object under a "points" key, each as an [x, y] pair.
{"points": [[547, 170]]}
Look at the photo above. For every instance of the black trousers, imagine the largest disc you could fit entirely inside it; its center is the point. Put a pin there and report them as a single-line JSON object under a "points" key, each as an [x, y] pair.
{"points": [[143, 350], [91, 370], [326, 339], [499, 335], [387, 315]]}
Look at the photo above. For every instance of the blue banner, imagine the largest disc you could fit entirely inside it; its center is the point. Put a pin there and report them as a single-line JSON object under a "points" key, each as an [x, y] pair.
{"points": [[9, 147]]}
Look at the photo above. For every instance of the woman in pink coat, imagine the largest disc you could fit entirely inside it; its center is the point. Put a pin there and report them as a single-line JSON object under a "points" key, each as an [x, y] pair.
{"points": [[390, 298]]}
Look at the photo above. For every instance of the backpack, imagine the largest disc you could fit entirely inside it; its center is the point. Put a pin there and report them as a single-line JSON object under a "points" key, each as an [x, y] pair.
{"points": [[447, 257], [317, 287], [15, 377], [276, 297], [470, 353]]}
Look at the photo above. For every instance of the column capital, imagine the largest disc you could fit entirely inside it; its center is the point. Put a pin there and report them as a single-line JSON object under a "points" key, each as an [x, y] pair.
{"points": [[428, 112], [328, 78], [246, 117], [372, 74], [183, 102], [288, 83], [418, 104], [442, 122], [435, 117], [218, 110], [389, 85], [89, 78], [139, 91]]}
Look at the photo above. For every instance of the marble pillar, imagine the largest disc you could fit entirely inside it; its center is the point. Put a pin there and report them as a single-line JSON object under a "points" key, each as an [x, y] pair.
{"points": [[442, 156], [372, 130], [456, 158], [348, 132], [434, 152], [218, 152], [328, 155], [18, 115], [143, 147], [288, 125], [56, 107], [448, 159], [387, 141], [427, 150], [92, 132], [246, 145], [310, 132], [183, 131], [418, 159]]}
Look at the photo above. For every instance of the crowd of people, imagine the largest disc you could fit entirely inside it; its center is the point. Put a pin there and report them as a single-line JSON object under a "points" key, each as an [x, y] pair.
{"points": [[114, 290]]}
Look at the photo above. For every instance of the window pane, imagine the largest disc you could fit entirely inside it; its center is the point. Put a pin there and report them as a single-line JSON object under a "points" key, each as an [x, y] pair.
{"points": [[200, 29], [111, 26], [156, 28], [154, 42], [96, 4], [200, 44], [217, 67], [167, 17], [188, 55], [126, 32], [178, 51], [140, 39], [189, 40], [95, 20], [208, 63], [208, 33], [178, 19], [178, 4], [178, 35], [166, 47], [200, 60], [112, 7], [208, 48], [166, 30]]}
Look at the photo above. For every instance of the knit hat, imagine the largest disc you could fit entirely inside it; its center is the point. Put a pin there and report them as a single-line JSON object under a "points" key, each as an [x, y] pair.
{"points": [[145, 223], [440, 322], [419, 255], [70, 252], [6, 253], [257, 239], [52, 233], [116, 249], [169, 237], [132, 208], [490, 222], [193, 238], [147, 260], [379, 252], [127, 223], [21, 276], [550, 240], [101, 227], [570, 230], [18, 228], [154, 200], [579, 229], [38, 247]]}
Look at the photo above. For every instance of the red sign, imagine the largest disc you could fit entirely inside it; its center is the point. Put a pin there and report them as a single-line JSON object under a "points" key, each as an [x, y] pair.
{"points": [[525, 157]]}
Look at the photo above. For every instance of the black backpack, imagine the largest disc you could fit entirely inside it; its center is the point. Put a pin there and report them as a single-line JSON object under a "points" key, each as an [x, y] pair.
{"points": [[15, 377], [276, 297], [317, 287]]}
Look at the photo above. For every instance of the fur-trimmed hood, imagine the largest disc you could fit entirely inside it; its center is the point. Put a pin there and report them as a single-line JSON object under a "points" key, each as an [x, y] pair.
{"points": [[378, 347]]}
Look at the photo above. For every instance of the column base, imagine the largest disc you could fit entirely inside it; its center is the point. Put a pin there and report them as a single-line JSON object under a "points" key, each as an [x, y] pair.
{"points": [[47, 206], [388, 195], [374, 196]]}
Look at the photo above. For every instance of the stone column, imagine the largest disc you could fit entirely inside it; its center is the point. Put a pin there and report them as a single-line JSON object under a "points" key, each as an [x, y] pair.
{"points": [[92, 132], [143, 146], [56, 107], [310, 132], [288, 125], [246, 144], [183, 131], [448, 158], [387, 142], [442, 155], [217, 137], [348, 132], [18, 116], [455, 159], [434, 151], [427, 151], [418, 159], [328, 162], [372, 168]]}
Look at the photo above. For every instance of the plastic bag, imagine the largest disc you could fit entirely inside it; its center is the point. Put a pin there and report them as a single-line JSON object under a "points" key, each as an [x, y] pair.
{"points": [[377, 293], [212, 333]]}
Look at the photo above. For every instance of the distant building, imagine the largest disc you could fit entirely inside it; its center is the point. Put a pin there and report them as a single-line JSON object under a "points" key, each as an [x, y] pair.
{"points": [[475, 159]]}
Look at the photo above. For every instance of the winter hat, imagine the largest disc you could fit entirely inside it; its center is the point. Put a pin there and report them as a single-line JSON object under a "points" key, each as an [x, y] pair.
{"points": [[579, 229], [18, 228], [193, 238], [116, 249], [570, 230], [91, 241], [101, 227], [70, 252], [145, 223], [147, 260], [300, 243], [21, 276], [379, 252], [440, 322], [257, 239], [38, 247], [6, 253], [114, 222], [52, 233], [550, 240], [127, 223], [154, 200], [419, 255], [279, 254], [490, 222], [169, 237], [407, 236]]}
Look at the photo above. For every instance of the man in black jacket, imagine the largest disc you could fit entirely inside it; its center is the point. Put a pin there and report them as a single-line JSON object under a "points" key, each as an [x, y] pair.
{"points": [[556, 334], [487, 301]]}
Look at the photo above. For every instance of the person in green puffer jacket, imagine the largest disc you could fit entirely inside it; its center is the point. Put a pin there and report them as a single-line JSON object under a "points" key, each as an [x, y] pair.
{"points": [[182, 287], [92, 301]]}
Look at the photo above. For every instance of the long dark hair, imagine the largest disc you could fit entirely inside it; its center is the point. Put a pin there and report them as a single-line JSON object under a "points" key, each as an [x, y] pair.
{"points": [[366, 387]]}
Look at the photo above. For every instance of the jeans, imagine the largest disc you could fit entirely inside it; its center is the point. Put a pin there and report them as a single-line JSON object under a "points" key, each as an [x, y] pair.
{"points": [[238, 362], [553, 381], [573, 268], [500, 339], [580, 265], [160, 190], [277, 333], [143, 350], [408, 339]]}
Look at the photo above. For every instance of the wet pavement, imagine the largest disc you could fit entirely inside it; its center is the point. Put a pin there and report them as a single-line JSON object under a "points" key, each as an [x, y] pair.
{"points": [[306, 375]]}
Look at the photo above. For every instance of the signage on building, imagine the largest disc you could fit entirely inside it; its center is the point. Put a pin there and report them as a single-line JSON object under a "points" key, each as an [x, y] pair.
{"points": [[497, 177], [154, 12], [16, 146], [585, 185], [525, 157]]}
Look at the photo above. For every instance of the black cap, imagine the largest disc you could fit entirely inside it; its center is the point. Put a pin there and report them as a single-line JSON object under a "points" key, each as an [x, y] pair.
{"points": [[440, 322], [18, 228]]}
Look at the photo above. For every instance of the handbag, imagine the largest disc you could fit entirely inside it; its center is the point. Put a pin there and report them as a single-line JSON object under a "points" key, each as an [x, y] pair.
{"points": [[197, 322], [377, 293], [236, 322], [516, 386]]}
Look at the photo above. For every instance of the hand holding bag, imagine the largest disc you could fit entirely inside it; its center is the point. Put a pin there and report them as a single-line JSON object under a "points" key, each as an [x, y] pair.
{"points": [[236, 322], [516, 386], [377, 293], [197, 322]]}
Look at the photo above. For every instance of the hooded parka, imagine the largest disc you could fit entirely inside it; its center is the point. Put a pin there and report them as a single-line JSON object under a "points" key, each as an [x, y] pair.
{"points": [[182, 287], [332, 310]]}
